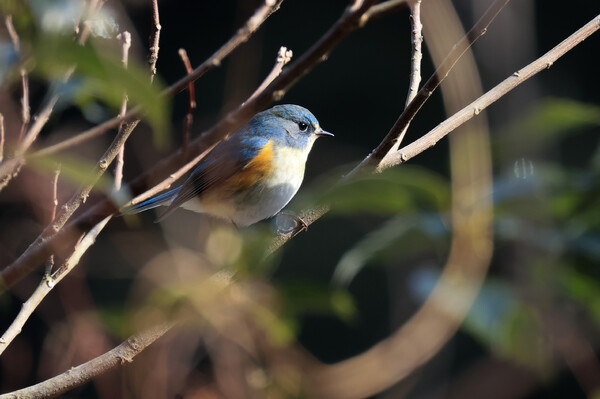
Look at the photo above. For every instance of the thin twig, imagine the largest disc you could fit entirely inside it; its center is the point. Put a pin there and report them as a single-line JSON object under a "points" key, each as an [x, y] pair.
{"points": [[166, 183], [50, 261], [189, 116], [48, 283], [473, 109], [125, 38], [154, 39], [284, 56], [25, 109], [77, 376], [14, 36], [1, 137], [383, 9], [415, 61], [91, 9]]}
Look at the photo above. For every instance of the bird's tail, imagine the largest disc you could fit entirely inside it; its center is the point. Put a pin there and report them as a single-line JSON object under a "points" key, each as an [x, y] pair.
{"points": [[154, 202]]}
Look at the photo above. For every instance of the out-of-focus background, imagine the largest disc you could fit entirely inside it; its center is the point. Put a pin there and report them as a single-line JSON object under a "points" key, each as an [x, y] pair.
{"points": [[360, 272]]}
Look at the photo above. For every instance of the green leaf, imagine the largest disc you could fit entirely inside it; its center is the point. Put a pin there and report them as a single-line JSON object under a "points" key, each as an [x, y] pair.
{"points": [[548, 121], [392, 192], [304, 297], [101, 75]]}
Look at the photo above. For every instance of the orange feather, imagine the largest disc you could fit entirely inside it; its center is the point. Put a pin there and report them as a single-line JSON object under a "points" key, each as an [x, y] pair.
{"points": [[255, 171]]}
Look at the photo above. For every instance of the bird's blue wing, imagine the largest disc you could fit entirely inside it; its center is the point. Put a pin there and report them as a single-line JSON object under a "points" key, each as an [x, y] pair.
{"points": [[223, 162]]}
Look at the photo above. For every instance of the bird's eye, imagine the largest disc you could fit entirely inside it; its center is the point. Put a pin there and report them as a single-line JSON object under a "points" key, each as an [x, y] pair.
{"points": [[302, 126]]}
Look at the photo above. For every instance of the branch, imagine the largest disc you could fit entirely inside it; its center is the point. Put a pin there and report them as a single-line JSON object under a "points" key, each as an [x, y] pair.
{"points": [[284, 56], [415, 64], [47, 284], [125, 38], [50, 261], [154, 38], [1, 137], [77, 376], [473, 109], [189, 117]]}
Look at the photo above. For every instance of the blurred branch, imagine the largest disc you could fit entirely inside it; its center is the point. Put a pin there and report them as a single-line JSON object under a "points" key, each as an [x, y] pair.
{"points": [[48, 283], [384, 8], [189, 116], [77, 376], [473, 109], [154, 38], [1, 137]]}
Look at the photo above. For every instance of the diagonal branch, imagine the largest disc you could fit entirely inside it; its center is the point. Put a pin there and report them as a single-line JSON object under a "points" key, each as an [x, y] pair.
{"points": [[77, 376]]}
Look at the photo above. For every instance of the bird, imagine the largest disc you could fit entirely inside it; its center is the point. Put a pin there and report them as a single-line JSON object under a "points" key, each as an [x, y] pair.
{"points": [[250, 176]]}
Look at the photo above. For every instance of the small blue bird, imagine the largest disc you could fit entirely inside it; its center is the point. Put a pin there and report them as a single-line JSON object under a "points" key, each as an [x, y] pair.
{"points": [[253, 174]]}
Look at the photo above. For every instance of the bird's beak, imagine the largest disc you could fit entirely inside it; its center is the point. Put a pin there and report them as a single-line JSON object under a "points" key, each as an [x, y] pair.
{"points": [[323, 133]]}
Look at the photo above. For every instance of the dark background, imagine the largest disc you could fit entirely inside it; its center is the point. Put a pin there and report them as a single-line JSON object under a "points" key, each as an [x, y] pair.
{"points": [[357, 94]]}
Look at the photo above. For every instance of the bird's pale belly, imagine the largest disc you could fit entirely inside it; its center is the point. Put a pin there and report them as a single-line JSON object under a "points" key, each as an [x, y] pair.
{"points": [[264, 199]]}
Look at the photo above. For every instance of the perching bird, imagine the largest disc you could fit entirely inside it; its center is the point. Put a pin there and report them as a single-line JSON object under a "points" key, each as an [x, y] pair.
{"points": [[253, 174]]}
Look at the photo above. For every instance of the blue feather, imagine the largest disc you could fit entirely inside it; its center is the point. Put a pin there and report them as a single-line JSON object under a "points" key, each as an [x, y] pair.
{"points": [[154, 202]]}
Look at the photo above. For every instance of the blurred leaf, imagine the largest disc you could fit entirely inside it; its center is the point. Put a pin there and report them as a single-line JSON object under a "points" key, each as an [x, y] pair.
{"points": [[394, 191], [425, 230], [75, 170], [102, 76], [304, 297], [582, 289], [547, 121], [498, 318]]}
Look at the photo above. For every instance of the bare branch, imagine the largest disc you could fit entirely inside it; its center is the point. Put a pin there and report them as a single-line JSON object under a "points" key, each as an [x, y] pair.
{"points": [[50, 261], [48, 283], [384, 8], [77, 376], [154, 38], [1, 137], [284, 56], [125, 38], [415, 62], [25, 109], [473, 109], [189, 117], [166, 183]]}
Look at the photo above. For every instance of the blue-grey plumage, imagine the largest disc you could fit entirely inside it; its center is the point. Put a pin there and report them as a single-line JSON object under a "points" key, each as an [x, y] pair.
{"points": [[253, 174]]}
